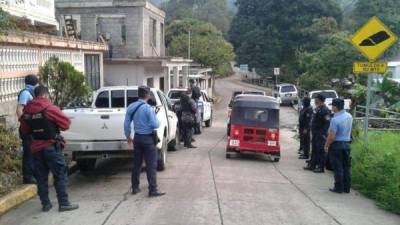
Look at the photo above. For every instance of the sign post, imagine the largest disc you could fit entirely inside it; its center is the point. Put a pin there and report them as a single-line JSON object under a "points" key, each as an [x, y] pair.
{"points": [[277, 72], [372, 40]]}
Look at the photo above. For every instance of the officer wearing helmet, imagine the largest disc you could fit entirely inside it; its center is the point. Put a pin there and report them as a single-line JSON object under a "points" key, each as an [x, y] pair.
{"points": [[306, 114]]}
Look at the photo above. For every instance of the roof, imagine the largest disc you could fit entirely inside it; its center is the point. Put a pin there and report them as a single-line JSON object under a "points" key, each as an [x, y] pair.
{"points": [[280, 85], [112, 88], [256, 101]]}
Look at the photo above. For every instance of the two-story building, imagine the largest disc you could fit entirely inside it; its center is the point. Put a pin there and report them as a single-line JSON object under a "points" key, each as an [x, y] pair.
{"points": [[134, 31]]}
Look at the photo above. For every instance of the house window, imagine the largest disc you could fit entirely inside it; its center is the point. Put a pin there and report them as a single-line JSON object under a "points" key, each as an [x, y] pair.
{"points": [[162, 88], [150, 82], [92, 71], [153, 32], [123, 33]]}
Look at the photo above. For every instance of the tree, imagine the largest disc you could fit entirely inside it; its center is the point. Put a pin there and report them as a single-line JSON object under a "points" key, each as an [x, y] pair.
{"points": [[333, 60], [268, 33], [208, 46], [213, 11], [386, 10], [66, 83], [6, 22]]}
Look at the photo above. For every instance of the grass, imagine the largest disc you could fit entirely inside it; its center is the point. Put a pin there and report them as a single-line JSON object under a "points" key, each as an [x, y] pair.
{"points": [[376, 169], [10, 160]]}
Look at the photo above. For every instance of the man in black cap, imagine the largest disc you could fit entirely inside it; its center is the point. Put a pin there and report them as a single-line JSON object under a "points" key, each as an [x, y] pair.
{"points": [[338, 145], [24, 97], [145, 122], [304, 127], [319, 128]]}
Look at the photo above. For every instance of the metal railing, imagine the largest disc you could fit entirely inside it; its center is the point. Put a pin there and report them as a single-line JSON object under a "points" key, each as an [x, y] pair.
{"points": [[379, 119]]}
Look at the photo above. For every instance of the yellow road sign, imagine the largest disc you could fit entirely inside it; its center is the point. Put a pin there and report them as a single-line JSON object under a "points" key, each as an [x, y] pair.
{"points": [[368, 67], [373, 39]]}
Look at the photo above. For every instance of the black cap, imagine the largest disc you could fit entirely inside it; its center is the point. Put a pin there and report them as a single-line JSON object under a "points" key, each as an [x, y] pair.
{"points": [[143, 91], [321, 97], [31, 80], [338, 103]]}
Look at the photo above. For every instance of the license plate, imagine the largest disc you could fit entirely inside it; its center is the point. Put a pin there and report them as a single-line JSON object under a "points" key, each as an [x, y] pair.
{"points": [[271, 143], [234, 143], [288, 95]]}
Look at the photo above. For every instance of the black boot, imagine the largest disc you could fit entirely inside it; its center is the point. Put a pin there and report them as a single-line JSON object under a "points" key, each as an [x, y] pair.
{"points": [[69, 207], [156, 194]]}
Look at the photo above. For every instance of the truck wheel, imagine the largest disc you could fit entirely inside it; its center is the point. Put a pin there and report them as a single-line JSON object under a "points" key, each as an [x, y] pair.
{"points": [[172, 145], [209, 122], [86, 164], [162, 157]]}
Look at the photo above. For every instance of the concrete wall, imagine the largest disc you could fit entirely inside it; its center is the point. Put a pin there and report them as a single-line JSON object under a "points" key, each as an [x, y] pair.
{"points": [[133, 74]]}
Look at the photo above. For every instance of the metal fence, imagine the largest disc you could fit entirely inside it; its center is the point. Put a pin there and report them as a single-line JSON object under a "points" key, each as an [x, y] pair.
{"points": [[379, 119]]}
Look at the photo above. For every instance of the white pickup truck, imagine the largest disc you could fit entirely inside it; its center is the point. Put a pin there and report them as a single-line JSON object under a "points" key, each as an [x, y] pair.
{"points": [[98, 133], [329, 95]]}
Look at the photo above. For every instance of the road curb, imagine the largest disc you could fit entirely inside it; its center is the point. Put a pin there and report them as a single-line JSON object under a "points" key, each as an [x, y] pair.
{"points": [[26, 192]]}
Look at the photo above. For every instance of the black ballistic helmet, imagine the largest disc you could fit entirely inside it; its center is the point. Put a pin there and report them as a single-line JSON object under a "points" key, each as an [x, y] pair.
{"points": [[306, 101], [338, 103], [31, 80], [143, 91], [321, 97]]}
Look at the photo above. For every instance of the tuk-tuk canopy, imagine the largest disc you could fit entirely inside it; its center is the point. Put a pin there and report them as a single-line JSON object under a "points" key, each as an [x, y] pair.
{"points": [[256, 101]]}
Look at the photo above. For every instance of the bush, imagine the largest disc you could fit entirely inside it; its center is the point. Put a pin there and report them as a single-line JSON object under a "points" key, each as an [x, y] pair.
{"points": [[376, 169], [10, 160]]}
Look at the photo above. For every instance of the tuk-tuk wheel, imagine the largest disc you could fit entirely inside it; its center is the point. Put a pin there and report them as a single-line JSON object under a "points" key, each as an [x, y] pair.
{"points": [[276, 159], [228, 156]]}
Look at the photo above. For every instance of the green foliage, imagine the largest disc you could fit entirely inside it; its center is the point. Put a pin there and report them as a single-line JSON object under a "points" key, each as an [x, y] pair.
{"points": [[208, 47], [376, 169], [68, 84], [212, 11], [10, 160], [6, 23], [268, 33], [333, 60], [386, 10]]}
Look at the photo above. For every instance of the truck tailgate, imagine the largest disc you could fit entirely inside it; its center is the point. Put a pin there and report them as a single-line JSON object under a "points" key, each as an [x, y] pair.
{"points": [[95, 125]]}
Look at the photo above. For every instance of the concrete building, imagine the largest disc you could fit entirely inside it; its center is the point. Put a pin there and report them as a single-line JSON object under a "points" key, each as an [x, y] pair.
{"points": [[135, 32], [24, 53]]}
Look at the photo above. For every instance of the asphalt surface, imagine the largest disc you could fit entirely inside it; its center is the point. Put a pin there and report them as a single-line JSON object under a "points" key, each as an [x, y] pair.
{"points": [[203, 187]]}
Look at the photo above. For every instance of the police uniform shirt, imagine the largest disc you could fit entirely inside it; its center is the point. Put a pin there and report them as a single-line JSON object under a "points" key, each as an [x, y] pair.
{"points": [[321, 120], [341, 125], [26, 95], [305, 117], [145, 119]]}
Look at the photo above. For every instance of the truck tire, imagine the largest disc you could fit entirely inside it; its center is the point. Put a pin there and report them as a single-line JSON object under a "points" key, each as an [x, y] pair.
{"points": [[209, 122], [162, 156], [86, 164], [172, 145]]}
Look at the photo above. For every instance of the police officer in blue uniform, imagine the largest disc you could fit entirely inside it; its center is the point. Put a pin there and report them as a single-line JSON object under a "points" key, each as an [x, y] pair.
{"points": [[319, 129], [24, 97], [338, 145], [306, 114], [145, 122]]}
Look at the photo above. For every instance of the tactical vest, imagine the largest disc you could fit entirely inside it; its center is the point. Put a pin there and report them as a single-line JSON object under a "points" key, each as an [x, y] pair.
{"points": [[41, 127]]}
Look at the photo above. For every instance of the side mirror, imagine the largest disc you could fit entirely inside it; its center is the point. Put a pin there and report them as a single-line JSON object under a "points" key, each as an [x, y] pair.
{"points": [[158, 108], [275, 95]]}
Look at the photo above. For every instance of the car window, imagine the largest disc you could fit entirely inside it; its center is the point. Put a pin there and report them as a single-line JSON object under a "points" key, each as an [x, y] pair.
{"points": [[175, 94], [132, 96], [205, 97], [326, 94], [103, 100], [288, 88], [167, 102], [118, 99]]}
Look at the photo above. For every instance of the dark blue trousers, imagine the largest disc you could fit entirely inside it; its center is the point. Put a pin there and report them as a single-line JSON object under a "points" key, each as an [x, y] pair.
{"points": [[27, 158], [144, 148], [341, 162], [51, 159]]}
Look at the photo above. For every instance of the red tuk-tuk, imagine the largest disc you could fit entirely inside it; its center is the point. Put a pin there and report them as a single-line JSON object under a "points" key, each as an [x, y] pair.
{"points": [[254, 126]]}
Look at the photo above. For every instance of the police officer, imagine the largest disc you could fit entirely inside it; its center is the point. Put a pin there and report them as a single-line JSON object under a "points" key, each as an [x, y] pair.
{"points": [[306, 114], [196, 94], [43, 121], [24, 97], [319, 128], [145, 122], [338, 145], [188, 117]]}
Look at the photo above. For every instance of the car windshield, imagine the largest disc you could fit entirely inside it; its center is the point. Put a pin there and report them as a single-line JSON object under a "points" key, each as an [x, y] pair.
{"points": [[175, 94], [289, 88], [254, 93], [256, 117], [236, 93], [326, 94]]}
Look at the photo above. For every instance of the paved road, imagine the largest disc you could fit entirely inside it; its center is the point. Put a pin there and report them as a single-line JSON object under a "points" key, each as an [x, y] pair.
{"points": [[205, 188]]}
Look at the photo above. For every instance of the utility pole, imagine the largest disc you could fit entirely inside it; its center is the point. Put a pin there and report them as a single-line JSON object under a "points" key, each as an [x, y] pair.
{"points": [[189, 43]]}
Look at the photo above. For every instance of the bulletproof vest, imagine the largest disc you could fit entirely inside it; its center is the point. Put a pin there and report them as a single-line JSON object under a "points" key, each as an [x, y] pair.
{"points": [[41, 127]]}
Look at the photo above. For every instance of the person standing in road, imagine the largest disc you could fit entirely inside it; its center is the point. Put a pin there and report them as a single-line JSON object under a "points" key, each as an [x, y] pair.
{"points": [[43, 121], [338, 145], [24, 97], [188, 117], [144, 145], [319, 128], [306, 114], [196, 94]]}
